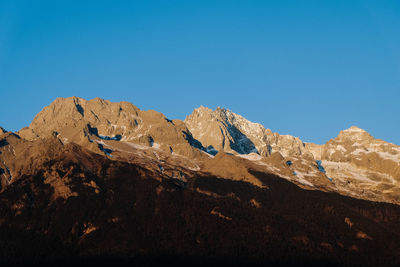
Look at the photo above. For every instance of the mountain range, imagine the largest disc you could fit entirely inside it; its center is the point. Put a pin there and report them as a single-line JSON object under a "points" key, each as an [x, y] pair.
{"points": [[93, 179]]}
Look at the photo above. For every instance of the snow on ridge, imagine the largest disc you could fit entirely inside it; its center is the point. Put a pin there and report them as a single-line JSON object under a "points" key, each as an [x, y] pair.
{"points": [[381, 154], [355, 129], [137, 146], [387, 155], [349, 170], [359, 151], [300, 178], [331, 151]]}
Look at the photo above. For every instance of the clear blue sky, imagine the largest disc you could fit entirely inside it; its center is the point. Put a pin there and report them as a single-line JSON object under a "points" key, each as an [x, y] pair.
{"points": [[306, 68]]}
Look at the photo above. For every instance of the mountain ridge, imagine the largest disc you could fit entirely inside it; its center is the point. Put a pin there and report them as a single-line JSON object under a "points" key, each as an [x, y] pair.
{"points": [[120, 129]]}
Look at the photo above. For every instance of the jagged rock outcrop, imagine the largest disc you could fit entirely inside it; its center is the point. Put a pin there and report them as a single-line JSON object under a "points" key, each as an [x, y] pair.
{"points": [[224, 130], [89, 122]]}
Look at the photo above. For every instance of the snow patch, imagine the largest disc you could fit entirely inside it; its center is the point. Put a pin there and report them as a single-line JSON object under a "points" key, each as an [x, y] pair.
{"points": [[211, 156], [195, 168], [387, 155], [344, 171], [300, 178], [383, 155], [354, 129], [115, 137], [341, 148], [156, 145], [331, 151], [137, 146], [358, 151], [320, 167]]}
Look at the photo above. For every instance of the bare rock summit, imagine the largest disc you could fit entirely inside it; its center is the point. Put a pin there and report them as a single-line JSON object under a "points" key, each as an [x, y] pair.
{"points": [[91, 123], [222, 129]]}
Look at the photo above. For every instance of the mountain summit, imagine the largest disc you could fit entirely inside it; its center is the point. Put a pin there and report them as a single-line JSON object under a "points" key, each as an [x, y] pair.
{"points": [[225, 130], [89, 123], [354, 133]]}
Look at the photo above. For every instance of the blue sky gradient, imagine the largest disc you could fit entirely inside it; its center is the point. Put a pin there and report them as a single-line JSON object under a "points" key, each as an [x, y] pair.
{"points": [[306, 68]]}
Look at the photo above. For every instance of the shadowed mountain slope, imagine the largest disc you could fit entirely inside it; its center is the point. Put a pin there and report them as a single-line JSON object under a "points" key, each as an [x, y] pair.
{"points": [[122, 210]]}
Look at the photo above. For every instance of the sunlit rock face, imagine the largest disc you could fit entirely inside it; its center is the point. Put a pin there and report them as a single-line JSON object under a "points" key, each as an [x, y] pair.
{"points": [[227, 131], [80, 121], [361, 165], [354, 163]]}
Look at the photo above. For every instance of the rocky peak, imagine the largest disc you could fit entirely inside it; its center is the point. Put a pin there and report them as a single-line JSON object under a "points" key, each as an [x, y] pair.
{"points": [[86, 122], [344, 146], [357, 162], [225, 114], [220, 129], [225, 130], [354, 133], [65, 114], [202, 110]]}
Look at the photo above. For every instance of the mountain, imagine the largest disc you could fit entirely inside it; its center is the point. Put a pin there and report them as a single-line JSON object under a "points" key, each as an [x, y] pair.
{"points": [[222, 129], [354, 163], [95, 181], [363, 166], [88, 122]]}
